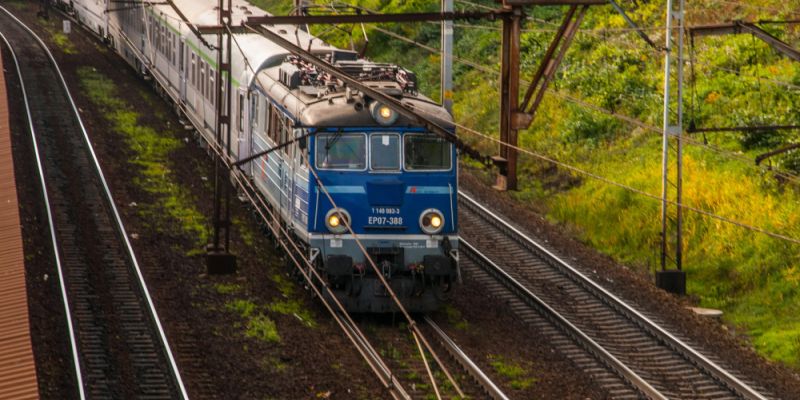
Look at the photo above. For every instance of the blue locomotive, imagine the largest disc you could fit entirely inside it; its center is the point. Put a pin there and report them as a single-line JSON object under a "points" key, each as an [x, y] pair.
{"points": [[393, 183]]}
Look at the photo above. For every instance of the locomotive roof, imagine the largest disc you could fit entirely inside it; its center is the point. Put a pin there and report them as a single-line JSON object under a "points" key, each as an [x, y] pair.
{"points": [[342, 107], [334, 108]]}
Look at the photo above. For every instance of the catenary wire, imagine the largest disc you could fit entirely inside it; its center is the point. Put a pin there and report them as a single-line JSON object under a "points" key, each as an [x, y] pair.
{"points": [[601, 178], [632, 189], [630, 120]]}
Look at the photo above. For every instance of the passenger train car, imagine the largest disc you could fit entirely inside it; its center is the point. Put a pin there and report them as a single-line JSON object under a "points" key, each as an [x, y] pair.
{"points": [[394, 183]]}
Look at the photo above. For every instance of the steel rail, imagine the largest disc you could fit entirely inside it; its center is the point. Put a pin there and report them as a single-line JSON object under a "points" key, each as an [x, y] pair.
{"points": [[565, 325], [612, 300], [342, 318], [462, 358], [51, 226], [120, 225]]}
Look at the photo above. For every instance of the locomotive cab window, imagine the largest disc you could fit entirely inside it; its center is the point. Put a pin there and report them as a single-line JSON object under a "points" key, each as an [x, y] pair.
{"points": [[426, 153], [384, 152], [341, 151]]}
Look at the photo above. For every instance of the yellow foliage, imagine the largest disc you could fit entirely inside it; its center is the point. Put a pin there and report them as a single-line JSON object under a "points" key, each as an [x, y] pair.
{"points": [[792, 275]]}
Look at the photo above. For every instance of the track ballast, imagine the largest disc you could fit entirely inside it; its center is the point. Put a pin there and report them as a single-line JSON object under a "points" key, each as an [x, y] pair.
{"points": [[629, 353]]}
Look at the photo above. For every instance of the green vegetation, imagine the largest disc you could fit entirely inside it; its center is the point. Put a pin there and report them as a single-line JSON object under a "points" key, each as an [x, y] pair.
{"points": [[151, 152], [455, 318], [738, 81], [262, 328], [63, 42], [258, 325], [227, 288], [519, 378], [295, 308]]}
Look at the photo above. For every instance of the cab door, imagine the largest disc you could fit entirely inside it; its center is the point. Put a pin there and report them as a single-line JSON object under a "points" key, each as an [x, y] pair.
{"points": [[287, 170]]}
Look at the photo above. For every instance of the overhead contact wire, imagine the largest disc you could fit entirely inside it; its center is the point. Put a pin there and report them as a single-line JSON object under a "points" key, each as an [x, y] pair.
{"points": [[631, 188]]}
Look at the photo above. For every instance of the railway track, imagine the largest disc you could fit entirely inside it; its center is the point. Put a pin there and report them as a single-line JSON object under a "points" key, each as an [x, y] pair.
{"points": [[118, 345], [629, 353], [484, 386], [403, 361]]}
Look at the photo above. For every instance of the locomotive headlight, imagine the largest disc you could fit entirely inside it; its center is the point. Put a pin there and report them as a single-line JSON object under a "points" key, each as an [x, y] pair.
{"points": [[431, 221], [337, 220], [382, 114]]}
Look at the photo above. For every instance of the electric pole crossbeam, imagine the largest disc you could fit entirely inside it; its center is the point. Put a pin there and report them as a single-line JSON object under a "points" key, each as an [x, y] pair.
{"points": [[739, 27]]}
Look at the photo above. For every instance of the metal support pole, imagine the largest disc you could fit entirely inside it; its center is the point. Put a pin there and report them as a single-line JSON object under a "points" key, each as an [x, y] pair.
{"points": [[219, 260], [226, 66], [672, 280], [509, 98], [447, 58], [679, 150]]}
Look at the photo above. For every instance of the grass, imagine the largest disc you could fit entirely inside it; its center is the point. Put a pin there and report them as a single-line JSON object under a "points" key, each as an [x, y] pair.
{"points": [[227, 288], [515, 373], [63, 42], [257, 324], [151, 150], [262, 328], [245, 308], [752, 277], [455, 318], [293, 307]]}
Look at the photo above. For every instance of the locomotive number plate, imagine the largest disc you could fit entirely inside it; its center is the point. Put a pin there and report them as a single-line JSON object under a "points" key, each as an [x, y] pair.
{"points": [[381, 220], [385, 216]]}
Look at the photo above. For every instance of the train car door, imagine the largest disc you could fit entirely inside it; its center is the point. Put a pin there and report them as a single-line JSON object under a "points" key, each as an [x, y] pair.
{"points": [[242, 119], [182, 61], [287, 172], [300, 181]]}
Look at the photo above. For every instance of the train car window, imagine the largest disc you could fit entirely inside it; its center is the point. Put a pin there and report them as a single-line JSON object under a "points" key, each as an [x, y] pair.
{"points": [[202, 78], [222, 84], [281, 138], [212, 88], [286, 135], [344, 151], [241, 112], [254, 114], [384, 152], [273, 124], [192, 70], [267, 109], [426, 153], [162, 39]]}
